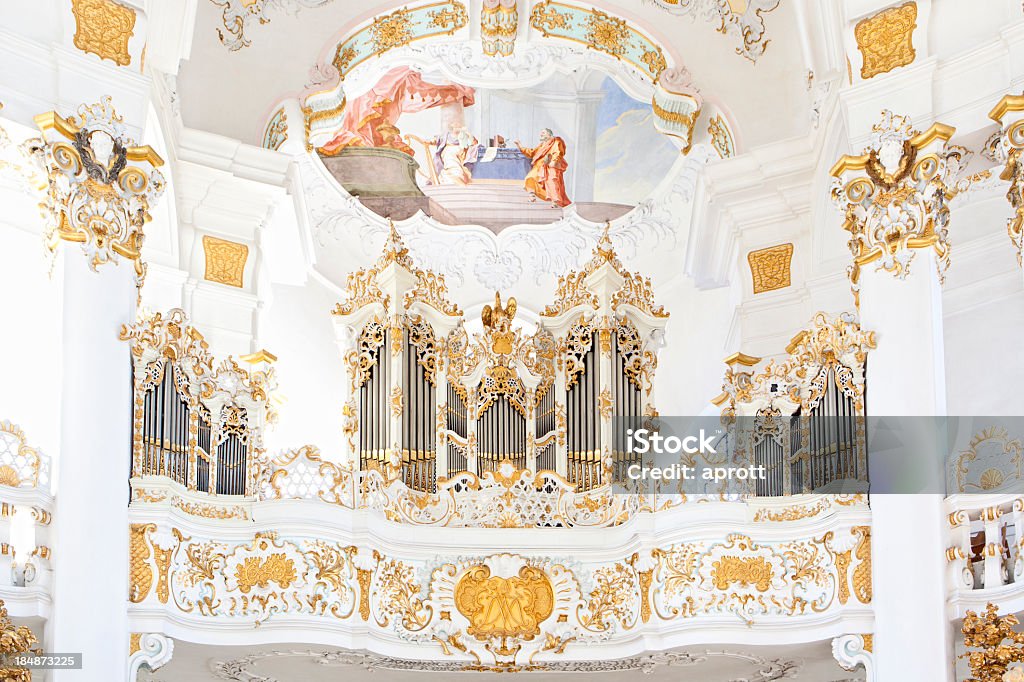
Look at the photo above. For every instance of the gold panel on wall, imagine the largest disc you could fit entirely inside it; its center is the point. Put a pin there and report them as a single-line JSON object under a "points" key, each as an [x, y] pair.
{"points": [[225, 261], [103, 28], [770, 268], [885, 40]]}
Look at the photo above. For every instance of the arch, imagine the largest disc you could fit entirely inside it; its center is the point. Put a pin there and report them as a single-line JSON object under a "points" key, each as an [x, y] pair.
{"points": [[558, 36]]}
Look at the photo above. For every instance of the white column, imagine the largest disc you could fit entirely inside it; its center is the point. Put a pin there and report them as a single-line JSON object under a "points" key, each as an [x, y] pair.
{"points": [[90, 556], [913, 636], [906, 377], [907, 372]]}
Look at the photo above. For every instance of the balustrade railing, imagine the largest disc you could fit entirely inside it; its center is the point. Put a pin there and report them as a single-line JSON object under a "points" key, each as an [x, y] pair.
{"points": [[25, 516], [986, 541]]}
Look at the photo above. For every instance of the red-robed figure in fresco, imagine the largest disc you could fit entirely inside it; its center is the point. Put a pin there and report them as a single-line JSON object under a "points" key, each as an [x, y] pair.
{"points": [[370, 119], [545, 179]]}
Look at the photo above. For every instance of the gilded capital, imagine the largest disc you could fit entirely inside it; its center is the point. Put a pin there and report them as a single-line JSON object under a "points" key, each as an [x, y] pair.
{"points": [[894, 197], [100, 184], [1009, 114]]}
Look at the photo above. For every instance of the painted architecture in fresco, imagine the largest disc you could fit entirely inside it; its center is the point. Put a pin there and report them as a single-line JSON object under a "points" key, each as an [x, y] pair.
{"points": [[496, 157]]}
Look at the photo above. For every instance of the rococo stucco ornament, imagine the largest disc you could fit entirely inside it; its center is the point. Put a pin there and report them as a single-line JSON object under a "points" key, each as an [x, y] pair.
{"points": [[240, 15], [1009, 114], [895, 197], [747, 25], [101, 185], [764, 669]]}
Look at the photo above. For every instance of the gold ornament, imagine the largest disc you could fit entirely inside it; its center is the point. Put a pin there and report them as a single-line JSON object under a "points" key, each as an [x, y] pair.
{"points": [[1009, 114], [862, 574], [606, 33], [499, 23], [101, 185], [999, 644], [276, 133], [396, 401], [15, 640], [894, 197], [257, 572], [504, 608], [20, 464], [225, 261], [140, 572], [721, 138], [572, 291], [390, 31], [104, 27], [770, 268], [885, 40], [755, 571]]}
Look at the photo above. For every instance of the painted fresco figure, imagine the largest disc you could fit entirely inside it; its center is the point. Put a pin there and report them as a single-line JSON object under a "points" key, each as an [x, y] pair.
{"points": [[453, 149], [546, 177], [371, 120]]}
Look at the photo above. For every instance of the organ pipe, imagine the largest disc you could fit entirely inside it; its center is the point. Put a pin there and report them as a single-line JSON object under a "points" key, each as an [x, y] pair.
{"points": [[502, 388]]}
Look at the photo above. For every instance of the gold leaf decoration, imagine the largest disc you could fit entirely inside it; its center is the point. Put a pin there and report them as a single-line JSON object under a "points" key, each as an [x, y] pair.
{"points": [[257, 572], [504, 607], [770, 268], [225, 261], [754, 571], [885, 40], [989, 633], [103, 28]]}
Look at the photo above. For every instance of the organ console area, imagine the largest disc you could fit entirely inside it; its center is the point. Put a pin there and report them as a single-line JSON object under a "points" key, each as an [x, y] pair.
{"points": [[429, 399]]}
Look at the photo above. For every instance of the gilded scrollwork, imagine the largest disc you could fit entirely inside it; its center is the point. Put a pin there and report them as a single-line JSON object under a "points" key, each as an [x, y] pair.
{"points": [[101, 185], [104, 27], [237, 16], [140, 572], [993, 645], [578, 342], [508, 611], [601, 32], [742, 576], [992, 459], [1007, 147], [21, 465], [833, 348], [240, 397], [886, 39], [572, 290], [895, 197]]}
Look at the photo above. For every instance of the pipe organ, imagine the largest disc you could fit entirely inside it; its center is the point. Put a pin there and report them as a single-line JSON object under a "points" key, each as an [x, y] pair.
{"points": [[429, 399], [195, 422], [805, 415]]}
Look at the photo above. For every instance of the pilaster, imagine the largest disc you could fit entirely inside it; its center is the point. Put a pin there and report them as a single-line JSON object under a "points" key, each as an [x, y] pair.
{"points": [[894, 198], [100, 188]]}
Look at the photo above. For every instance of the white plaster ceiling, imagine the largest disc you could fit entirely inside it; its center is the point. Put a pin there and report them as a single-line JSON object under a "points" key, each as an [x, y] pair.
{"points": [[297, 663], [231, 93]]}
